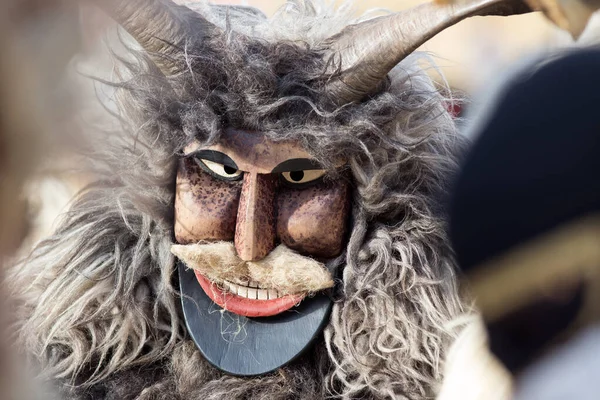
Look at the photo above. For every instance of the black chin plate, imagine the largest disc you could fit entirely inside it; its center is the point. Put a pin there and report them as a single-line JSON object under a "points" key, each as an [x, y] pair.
{"points": [[245, 346]]}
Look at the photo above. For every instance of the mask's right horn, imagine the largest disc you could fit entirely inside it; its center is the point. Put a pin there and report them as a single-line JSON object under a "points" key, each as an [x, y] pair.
{"points": [[161, 27]]}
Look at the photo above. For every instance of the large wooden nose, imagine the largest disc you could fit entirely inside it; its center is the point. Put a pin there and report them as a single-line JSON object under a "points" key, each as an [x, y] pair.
{"points": [[255, 225]]}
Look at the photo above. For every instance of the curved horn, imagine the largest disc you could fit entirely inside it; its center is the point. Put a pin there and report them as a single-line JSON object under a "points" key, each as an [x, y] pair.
{"points": [[161, 27], [369, 50]]}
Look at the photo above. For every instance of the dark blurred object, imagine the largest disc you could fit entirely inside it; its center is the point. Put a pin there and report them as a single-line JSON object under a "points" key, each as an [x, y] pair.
{"points": [[525, 217], [37, 40], [570, 15]]}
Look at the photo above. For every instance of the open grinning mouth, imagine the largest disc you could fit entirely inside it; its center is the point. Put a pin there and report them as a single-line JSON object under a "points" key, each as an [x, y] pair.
{"points": [[251, 290], [248, 299]]}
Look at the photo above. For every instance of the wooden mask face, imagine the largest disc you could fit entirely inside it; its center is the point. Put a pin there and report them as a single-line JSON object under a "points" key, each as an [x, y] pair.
{"points": [[270, 201], [255, 222]]}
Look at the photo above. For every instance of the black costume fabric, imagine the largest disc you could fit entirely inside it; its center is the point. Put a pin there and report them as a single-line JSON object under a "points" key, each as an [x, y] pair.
{"points": [[533, 168]]}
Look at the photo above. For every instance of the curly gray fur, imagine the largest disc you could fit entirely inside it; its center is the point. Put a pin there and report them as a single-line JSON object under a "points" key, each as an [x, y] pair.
{"points": [[97, 306]]}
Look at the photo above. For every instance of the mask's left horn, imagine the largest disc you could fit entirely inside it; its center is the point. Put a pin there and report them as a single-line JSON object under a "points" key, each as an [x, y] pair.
{"points": [[161, 27], [369, 50]]}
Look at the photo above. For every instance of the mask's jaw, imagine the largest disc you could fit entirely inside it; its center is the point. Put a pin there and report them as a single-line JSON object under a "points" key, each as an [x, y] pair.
{"points": [[243, 346]]}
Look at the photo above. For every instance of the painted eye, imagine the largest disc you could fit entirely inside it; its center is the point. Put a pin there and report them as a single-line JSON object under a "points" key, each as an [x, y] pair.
{"points": [[304, 176], [221, 171]]}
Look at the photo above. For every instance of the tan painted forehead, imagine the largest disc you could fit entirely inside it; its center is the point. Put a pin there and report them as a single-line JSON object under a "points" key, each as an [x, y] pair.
{"points": [[253, 151]]}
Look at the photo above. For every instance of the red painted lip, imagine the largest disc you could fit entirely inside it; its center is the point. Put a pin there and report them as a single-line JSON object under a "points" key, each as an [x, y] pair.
{"points": [[247, 307]]}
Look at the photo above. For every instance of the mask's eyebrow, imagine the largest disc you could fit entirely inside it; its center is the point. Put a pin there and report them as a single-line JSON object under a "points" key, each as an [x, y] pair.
{"points": [[214, 156], [297, 164]]}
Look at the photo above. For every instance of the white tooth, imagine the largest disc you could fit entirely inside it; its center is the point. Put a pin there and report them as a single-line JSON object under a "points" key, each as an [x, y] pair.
{"points": [[230, 286], [272, 294], [242, 291], [252, 293], [263, 294]]}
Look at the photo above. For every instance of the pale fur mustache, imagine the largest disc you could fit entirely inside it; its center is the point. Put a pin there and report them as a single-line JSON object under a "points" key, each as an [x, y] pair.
{"points": [[283, 269]]}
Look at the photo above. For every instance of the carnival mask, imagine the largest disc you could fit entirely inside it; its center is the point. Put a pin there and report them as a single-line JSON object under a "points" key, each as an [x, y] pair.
{"points": [[256, 221]]}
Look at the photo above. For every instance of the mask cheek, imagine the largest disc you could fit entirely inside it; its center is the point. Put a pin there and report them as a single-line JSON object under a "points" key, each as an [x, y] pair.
{"points": [[314, 220], [205, 207]]}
